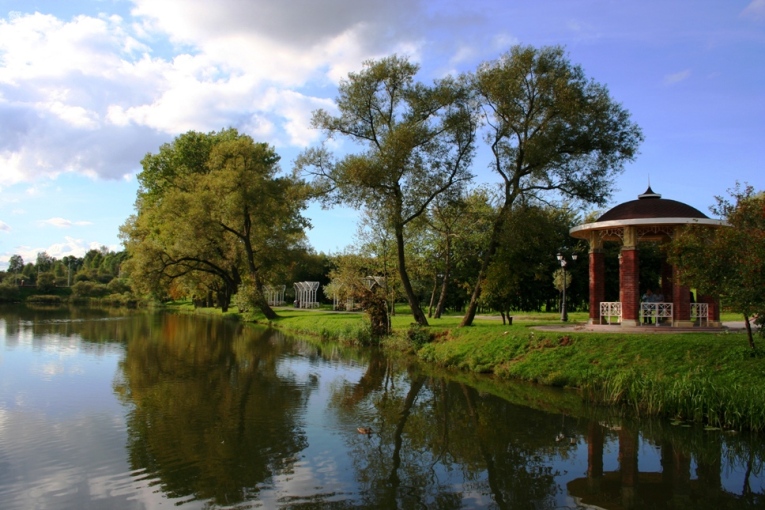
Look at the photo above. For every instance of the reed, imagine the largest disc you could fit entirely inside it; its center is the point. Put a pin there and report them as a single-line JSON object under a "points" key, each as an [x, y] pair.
{"points": [[708, 378]]}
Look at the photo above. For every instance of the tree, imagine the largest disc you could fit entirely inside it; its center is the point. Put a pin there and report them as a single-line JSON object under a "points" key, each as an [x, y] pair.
{"points": [[15, 264], [46, 282], [212, 215], [519, 275], [551, 131], [44, 262], [728, 262], [418, 142], [456, 224]]}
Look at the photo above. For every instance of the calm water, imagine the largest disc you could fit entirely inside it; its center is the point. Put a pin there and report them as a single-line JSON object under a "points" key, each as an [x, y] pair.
{"points": [[107, 410]]}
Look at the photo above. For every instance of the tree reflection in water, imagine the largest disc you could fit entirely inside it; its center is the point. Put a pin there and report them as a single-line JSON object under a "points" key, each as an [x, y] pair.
{"points": [[210, 418], [441, 444], [218, 414]]}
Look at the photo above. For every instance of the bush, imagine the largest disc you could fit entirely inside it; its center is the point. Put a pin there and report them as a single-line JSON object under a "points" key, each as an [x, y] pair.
{"points": [[9, 292], [46, 282], [44, 299], [118, 286], [418, 335], [89, 289]]}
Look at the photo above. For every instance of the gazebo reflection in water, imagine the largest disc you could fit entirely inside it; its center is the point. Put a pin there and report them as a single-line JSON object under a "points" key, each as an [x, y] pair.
{"points": [[628, 488]]}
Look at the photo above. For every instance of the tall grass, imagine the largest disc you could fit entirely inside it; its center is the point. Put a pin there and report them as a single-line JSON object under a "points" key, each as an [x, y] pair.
{"points": [[701, 377]]}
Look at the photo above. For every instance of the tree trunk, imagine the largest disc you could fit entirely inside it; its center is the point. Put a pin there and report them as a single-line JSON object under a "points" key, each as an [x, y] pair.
{"points": [[467, 320], [444, 283], [419, 316], [433, 296], [260, 299], [749, 331]]}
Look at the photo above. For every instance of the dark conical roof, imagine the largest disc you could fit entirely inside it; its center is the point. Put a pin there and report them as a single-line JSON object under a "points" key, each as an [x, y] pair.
{"points": [[651, 205]]}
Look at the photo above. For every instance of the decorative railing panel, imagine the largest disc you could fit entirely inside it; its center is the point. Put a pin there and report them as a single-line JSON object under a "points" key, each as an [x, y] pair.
{"points": [[655, 313], [700, 312], [610, 309]]}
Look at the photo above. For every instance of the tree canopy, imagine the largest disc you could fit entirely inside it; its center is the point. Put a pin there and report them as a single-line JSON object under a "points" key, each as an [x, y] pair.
{"points": [[212, 214], [417, 142], [551, 131], [728, 262]]}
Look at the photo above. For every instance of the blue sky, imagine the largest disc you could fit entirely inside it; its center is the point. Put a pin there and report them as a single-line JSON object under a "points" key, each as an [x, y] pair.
{"points": [[87, 88]]}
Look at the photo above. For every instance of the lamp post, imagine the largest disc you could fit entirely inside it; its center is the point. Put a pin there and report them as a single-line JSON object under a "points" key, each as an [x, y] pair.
{"points": [[563, 263]]}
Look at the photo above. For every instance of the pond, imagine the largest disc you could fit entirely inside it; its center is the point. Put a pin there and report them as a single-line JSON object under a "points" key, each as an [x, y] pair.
{"points": [[107, 409]]}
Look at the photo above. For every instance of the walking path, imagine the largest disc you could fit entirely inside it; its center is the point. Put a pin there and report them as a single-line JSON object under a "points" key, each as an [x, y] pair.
{"points": [[647, 329]]}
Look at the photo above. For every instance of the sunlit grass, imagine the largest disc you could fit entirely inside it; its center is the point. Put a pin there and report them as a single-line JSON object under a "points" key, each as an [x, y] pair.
{"points": [[698, 376]]}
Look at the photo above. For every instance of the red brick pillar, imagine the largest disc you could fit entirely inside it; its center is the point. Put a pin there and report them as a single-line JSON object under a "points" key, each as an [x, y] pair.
{"points": [[629, 285], [597, 284], [681, 302], [714, 309]]}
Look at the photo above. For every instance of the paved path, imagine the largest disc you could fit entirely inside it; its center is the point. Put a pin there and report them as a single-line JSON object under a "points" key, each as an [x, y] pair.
{"points": [[605, 328]]}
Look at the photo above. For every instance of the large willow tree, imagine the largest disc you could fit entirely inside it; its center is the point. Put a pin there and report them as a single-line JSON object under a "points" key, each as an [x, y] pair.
{"points": [[213, 213], [551, 132], [416, 142]]}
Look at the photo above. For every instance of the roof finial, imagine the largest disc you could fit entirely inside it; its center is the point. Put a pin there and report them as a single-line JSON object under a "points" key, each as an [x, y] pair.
{"points": [[649, 193]]}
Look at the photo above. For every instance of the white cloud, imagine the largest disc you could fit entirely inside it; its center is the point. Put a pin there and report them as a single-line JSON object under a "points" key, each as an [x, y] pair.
{"points": [[671, 79], [93, 95], [70, 246], [755, 10], [62, 223], [4, 227]]}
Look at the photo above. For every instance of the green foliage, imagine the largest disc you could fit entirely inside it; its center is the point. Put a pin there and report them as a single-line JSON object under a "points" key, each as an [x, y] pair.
{"points": [[418, 142], [88, 289], [727, 262], [418, 335], [44, 299], [46, 282], [211, 212], [519, 275], [15, 264], [551, 130], [9, 292]]}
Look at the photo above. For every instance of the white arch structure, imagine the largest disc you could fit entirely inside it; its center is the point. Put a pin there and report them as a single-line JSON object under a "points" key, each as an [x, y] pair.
{"points": [[274, 294], [305, 294]]}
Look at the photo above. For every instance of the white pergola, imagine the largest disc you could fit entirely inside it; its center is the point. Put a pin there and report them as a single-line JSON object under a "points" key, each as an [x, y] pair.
{"points": [[306, 294], [274, 294]]}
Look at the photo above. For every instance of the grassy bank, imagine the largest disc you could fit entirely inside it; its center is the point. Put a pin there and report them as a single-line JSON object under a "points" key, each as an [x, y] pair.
{"points": [[702, 377]]}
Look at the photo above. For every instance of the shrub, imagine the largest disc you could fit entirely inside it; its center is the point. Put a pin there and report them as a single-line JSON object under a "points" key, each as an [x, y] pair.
{"points": [[89, 289], [46, 282]]}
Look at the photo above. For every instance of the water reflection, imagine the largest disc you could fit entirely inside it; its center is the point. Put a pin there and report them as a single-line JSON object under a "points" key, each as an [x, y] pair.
{"points": [[210, 414], [206, 413]]}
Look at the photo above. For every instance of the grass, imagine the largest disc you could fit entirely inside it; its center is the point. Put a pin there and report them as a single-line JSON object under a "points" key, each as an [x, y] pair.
{"points": [[702, 377]]}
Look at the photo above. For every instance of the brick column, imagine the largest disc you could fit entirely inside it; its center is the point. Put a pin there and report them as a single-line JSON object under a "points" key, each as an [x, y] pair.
{"points": [[597, 284], [714, 309], [681, 303], [629, 285]]}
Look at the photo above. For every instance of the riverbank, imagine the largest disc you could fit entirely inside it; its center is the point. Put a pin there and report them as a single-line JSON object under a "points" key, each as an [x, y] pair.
{"points": [[707, 377], [703, 377]]}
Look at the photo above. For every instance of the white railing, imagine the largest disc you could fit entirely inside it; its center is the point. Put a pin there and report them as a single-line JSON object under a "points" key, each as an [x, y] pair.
{"points": [[610, 309], [655, 312], [700, 312]]}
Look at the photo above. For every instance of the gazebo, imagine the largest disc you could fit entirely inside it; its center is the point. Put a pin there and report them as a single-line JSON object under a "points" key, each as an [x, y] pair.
{"points": [[650, 218]]}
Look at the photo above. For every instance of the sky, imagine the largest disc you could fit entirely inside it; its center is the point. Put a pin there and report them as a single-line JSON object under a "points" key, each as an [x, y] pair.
{"points": [[89, 87]]}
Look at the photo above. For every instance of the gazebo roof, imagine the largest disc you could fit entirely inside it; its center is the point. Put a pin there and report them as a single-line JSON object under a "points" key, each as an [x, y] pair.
{"points": [[649, 210], [651, 205]]}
